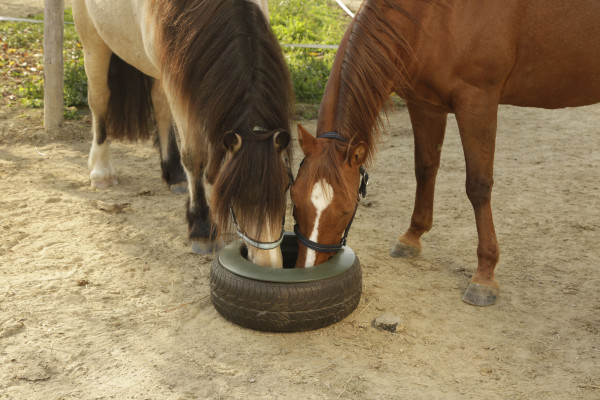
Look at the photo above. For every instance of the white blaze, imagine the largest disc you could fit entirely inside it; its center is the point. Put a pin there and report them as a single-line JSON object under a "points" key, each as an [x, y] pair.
{"points": [[321, 197]]}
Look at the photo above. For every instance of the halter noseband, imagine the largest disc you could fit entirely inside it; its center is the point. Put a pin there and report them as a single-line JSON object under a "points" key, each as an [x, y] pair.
{"points": [[362, 192], [256, 243]]}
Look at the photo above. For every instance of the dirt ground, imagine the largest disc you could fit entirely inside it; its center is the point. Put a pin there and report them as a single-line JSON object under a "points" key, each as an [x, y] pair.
{"points": [[104, 305]]}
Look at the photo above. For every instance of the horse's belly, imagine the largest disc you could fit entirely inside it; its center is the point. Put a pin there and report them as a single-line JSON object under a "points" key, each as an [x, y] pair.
{"points": [[557, 57], [120, 24], [569, 85]]}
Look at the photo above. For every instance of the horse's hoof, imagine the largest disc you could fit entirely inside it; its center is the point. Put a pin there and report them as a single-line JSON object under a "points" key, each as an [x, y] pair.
{"points": [[104, 183], [401, 250], [179, 188], [200, 246], [480, 295]]}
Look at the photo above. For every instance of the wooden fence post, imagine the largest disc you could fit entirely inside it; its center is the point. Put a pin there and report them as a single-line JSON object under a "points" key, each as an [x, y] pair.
{"points": [[53, 63]]}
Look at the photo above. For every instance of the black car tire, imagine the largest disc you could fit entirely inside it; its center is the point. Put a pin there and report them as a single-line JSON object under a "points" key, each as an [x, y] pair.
{"points": [[288, 299]]}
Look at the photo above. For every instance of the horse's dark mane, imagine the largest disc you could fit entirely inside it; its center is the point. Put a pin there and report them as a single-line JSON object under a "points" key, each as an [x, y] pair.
{"points": [[228, 73], [371, 69]]}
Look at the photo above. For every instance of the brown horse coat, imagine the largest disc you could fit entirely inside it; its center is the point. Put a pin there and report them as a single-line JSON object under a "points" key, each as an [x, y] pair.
{"points": [[447, 56]]}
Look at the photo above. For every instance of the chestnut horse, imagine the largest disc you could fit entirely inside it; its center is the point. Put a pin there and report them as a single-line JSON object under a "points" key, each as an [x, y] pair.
{"points": [[215, 71], [441, 56]]}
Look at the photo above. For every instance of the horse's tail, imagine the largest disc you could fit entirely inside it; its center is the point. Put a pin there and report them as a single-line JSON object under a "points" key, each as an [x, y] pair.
{"points": [[129, 112]]}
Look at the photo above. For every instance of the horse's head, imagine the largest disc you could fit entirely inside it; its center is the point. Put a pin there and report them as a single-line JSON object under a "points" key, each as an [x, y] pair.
{"points": [[250, 191], [325, 194]]}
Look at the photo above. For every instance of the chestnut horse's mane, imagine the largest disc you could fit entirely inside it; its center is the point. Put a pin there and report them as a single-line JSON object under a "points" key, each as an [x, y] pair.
{"points": [[228, 73], [372, 68]]}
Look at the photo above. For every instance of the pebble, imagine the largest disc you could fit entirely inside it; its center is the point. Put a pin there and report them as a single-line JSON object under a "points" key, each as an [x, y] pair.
{"points": [[112, 207], [366, 203], [11, 328], [389, 322]]}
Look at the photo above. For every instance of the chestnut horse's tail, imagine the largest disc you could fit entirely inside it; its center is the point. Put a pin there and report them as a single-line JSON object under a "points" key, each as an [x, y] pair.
{"points": [[129, 112]]}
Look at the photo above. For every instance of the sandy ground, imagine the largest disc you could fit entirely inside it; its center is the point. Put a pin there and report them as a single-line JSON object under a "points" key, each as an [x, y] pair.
{"points": [[103, 305], [99, 305]]}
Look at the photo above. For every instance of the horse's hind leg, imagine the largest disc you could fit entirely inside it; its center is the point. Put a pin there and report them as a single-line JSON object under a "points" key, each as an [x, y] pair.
{"points": [[170, 159], [102, 173], [428, 129], [96, 58]]}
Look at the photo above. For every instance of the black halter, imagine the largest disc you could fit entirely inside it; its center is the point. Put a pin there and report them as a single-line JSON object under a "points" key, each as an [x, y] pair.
{"points": [[362, 192]]}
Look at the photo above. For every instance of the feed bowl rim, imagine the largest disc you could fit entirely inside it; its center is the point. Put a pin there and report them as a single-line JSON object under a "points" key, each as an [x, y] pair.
{"points": [[230, 257]]}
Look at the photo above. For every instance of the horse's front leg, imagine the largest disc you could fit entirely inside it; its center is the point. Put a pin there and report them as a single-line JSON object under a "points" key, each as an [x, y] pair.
{"points": [[428, 129], [477, 124], [170, 159], [202, 232]]}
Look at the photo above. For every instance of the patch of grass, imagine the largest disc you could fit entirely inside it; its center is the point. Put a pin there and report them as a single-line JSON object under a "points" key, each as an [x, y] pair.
{"points": [[22, 64], [308, 22], [292, 21]]}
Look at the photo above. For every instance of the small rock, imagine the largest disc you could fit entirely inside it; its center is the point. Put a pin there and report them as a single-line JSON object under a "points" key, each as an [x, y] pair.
{"points": [[145, 192], [33, 372], [83, 282], [486, 369], [112, 207], [389, 322], [11, 328]]}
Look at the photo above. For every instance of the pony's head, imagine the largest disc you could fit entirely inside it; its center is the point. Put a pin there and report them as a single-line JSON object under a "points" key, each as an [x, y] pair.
{"points": [[325, 194], [250, 190], [224, 68]]}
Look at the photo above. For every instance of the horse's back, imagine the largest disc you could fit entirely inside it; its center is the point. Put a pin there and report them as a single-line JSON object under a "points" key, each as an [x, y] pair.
{"points": [[124, 26], [537, 53]]}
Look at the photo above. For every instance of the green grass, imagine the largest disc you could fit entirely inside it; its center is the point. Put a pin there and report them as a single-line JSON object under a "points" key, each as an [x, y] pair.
{"points": [[21, 62], [308, 22], [292, 21]]}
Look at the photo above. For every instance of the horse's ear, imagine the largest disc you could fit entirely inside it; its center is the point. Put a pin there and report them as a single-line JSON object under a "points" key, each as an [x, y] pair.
{"points": [[358, 154], [307, 141], [232, 141], [282, 140]]}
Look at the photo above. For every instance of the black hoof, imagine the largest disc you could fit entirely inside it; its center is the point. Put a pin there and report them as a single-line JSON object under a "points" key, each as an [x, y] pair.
{"points": [[401, 250], [207, 246], [179, 188], [480, 295]]}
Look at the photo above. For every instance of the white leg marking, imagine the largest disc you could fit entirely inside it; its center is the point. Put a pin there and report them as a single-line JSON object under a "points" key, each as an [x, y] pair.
{"points": [[191, 188], [102, 173], [321, 197]]}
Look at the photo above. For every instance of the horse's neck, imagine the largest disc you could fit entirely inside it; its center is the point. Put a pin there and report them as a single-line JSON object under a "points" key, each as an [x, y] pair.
{"points": [[328, 108], [335, 112]]}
